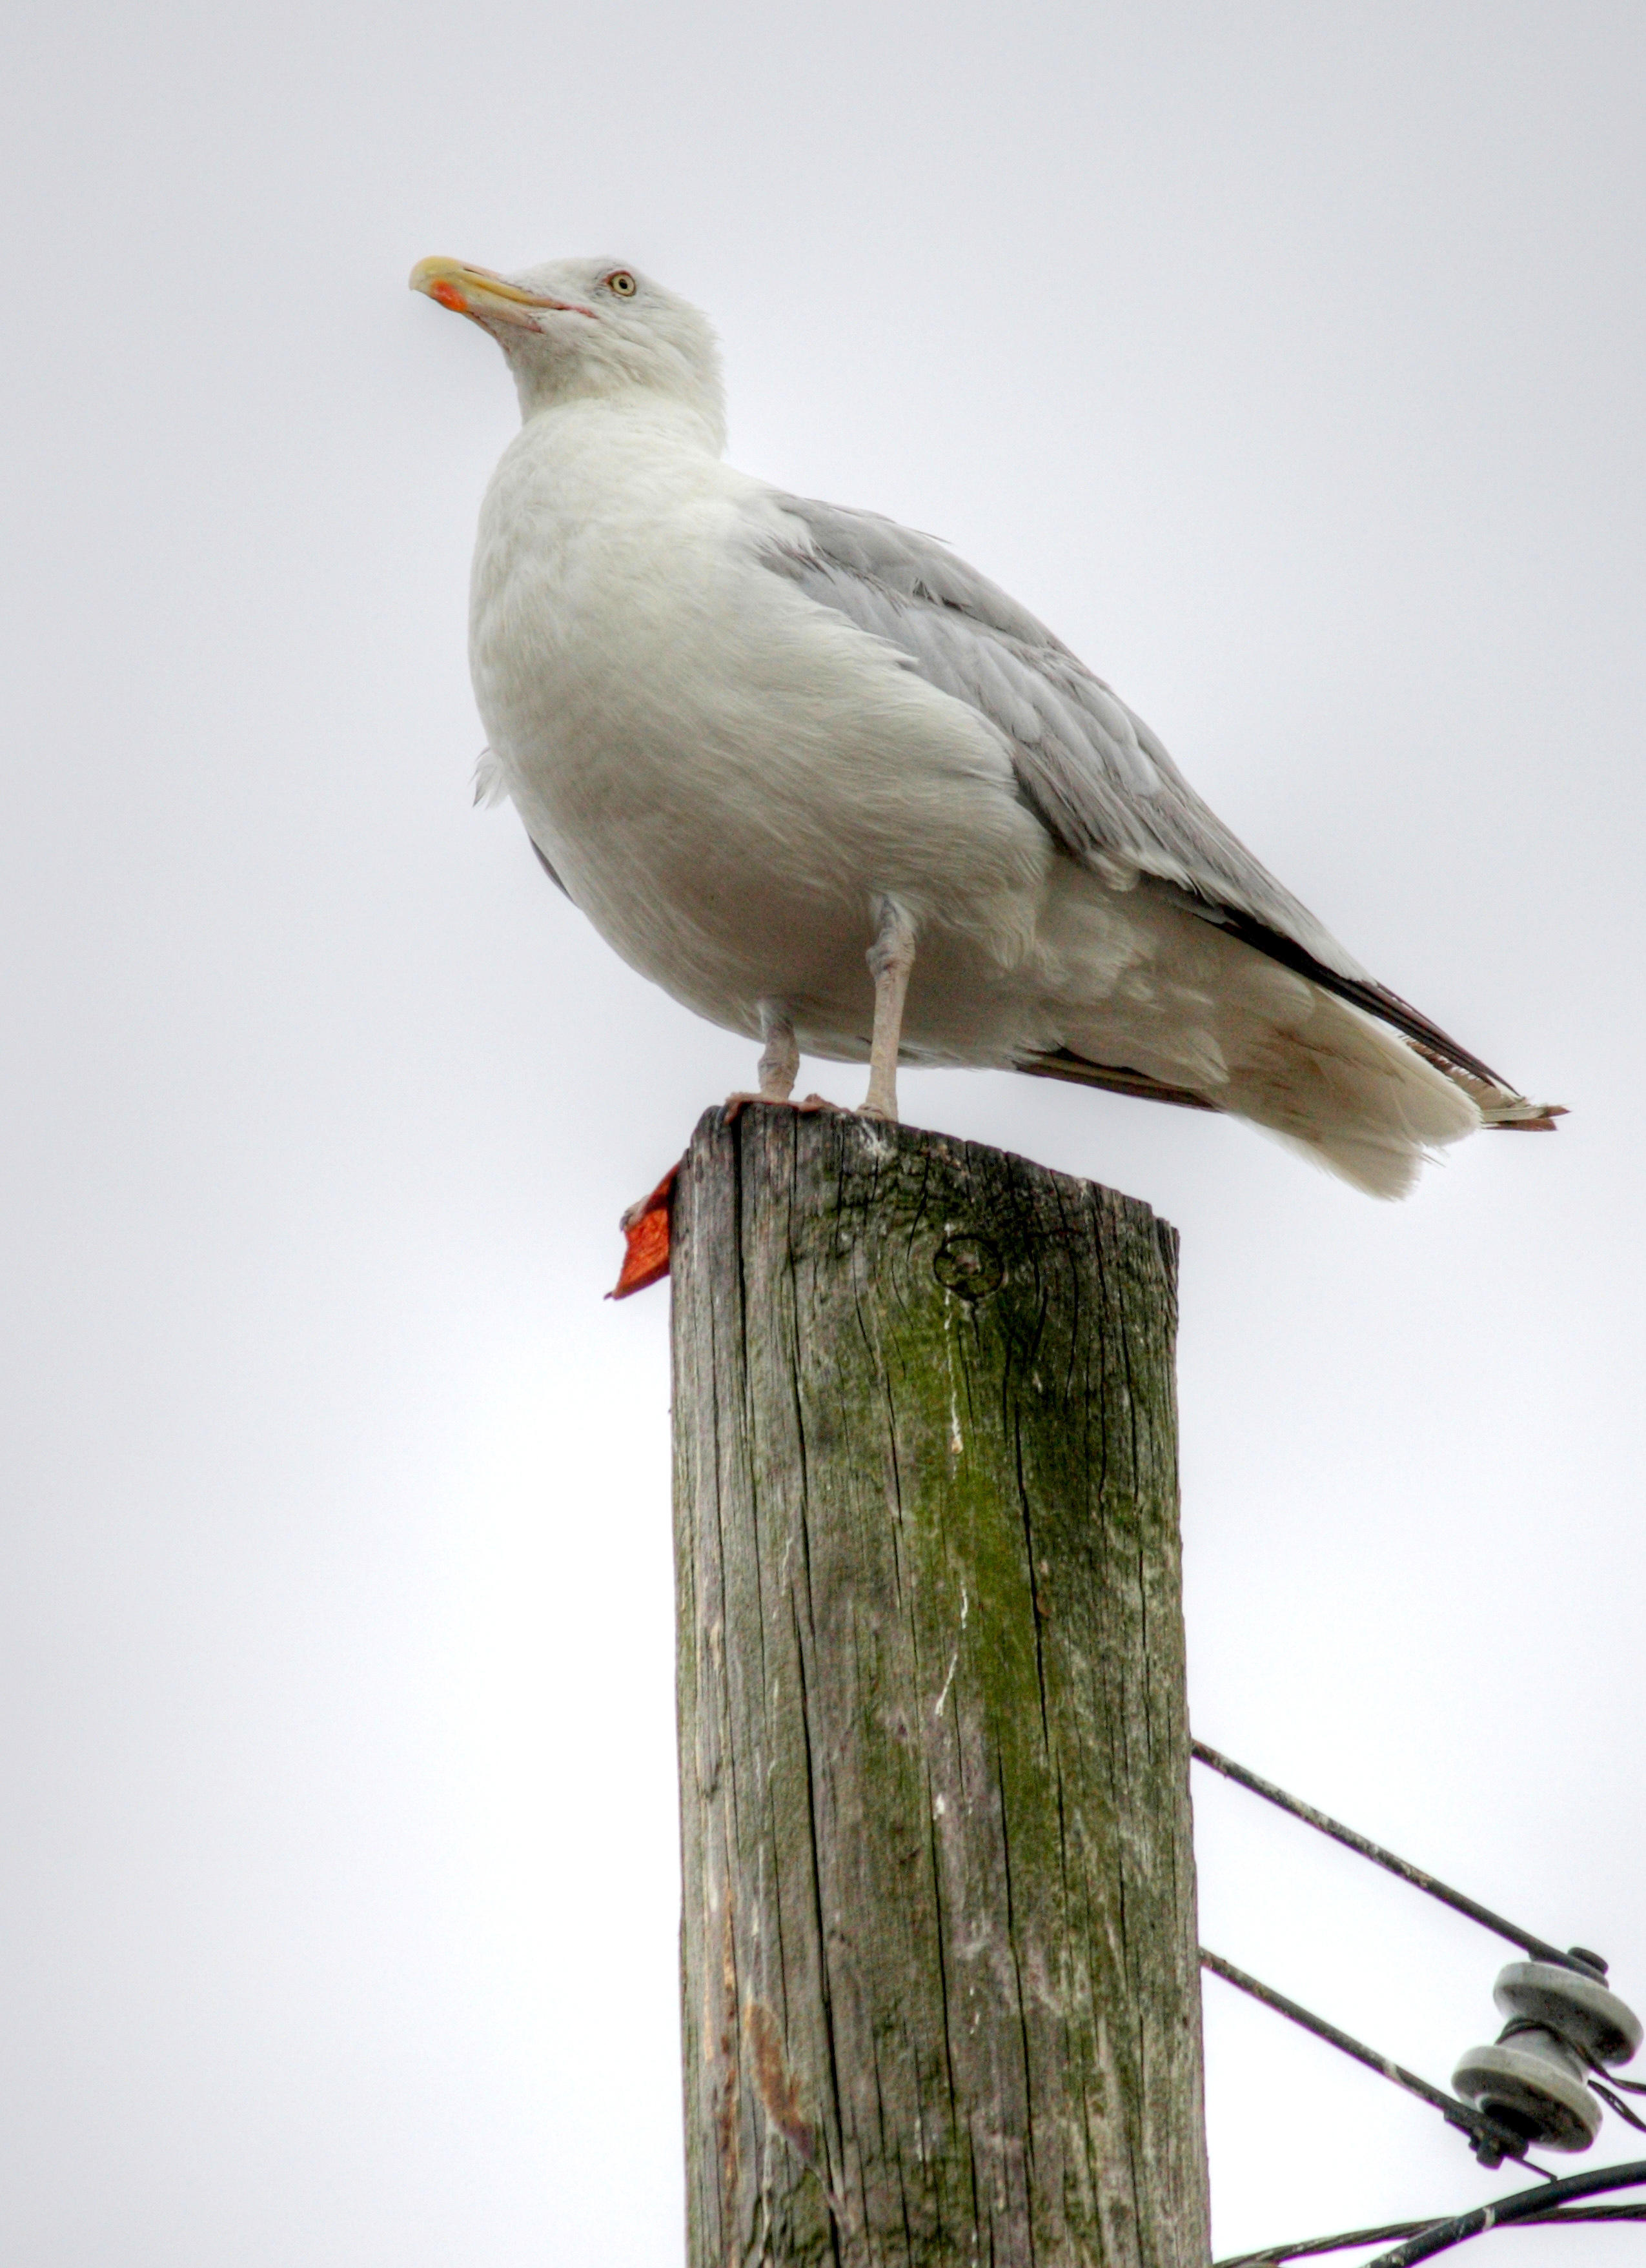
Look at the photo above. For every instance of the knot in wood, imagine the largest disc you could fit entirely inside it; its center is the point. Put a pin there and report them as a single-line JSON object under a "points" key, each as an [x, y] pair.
{"points": [[970, 1266]]}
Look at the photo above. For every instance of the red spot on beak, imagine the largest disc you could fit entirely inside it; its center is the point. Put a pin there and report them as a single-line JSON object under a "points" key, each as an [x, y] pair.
{"points": [[645, 1226], [449, 296]]}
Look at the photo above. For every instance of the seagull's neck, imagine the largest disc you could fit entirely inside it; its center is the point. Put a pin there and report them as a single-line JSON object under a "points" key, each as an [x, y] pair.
{"points": [[639, 411], [574, 465]]}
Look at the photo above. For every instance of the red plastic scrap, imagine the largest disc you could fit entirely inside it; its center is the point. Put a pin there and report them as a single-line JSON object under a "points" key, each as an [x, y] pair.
{"points": [[645, 1226]]}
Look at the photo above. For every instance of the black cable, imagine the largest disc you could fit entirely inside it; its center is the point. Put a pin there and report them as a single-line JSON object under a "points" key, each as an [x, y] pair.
{"points": [[1538, 1946], [1271, 2254], [1525, 2204], [1615, 2103], [1492, 2143], [1601, 2078]]}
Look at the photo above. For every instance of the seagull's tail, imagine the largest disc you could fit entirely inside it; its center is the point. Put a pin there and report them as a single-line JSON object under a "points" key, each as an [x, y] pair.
{"points": [[1368, 1103], [1341, 1090], [1520, 1116], [1352, 1095], [1182, 1010], [1499, 1105]]}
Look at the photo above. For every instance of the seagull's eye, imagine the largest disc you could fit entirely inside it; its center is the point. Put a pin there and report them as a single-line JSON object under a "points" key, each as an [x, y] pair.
{"points": [[622, 282]]}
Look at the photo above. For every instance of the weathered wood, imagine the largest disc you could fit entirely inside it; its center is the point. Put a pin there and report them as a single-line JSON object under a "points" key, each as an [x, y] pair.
{"points": [[942, 1996]]}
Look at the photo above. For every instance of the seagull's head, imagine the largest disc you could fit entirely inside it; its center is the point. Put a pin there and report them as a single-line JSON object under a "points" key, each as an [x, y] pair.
{"points": [[576, 328]]}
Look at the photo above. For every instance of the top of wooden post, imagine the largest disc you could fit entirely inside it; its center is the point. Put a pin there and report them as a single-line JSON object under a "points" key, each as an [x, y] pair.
{"points": [[941, 1992]]}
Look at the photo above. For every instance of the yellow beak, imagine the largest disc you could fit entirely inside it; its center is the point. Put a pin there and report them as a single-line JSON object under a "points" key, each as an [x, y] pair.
{"points": [[483, 297]]}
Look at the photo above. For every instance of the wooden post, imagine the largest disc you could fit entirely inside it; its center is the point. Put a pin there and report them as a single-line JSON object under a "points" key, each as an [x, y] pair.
{"points": [[940, 1988]]}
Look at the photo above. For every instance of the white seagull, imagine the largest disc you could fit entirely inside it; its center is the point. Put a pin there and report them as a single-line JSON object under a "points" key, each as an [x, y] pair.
{"points": [[831, 788]]}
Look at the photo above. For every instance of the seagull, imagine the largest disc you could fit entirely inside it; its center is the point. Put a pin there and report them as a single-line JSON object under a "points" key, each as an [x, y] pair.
{"points": [[833, 790]]}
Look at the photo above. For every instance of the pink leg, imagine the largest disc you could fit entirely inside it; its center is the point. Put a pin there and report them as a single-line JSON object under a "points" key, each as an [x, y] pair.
{"points": [[891, 959]]}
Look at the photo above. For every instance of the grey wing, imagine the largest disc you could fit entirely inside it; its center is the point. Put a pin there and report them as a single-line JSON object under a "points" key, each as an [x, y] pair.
{"points": [[1093, 773]]}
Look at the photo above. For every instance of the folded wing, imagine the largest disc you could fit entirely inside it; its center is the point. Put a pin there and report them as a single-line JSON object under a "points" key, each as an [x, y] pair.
{"points": [[1095, 775]]}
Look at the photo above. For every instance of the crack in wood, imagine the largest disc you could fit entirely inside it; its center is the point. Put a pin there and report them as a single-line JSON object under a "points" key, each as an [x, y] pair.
{"points": [[940, 1980]]}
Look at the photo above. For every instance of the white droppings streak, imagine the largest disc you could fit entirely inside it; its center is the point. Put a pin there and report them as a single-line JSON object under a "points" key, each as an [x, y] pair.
{"points": [[954, 1659]]}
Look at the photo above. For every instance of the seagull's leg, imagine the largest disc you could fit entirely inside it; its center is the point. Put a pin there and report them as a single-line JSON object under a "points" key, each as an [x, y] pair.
{"points": [[780, 1057], [779, 1065], [891, 960]]}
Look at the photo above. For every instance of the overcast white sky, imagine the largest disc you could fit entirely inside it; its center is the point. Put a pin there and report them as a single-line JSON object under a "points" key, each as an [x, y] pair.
{"points": [[1288, 358]]}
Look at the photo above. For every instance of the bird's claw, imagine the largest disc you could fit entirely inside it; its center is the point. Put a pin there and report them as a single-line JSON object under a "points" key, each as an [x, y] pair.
{"points": [[736, 1104]]}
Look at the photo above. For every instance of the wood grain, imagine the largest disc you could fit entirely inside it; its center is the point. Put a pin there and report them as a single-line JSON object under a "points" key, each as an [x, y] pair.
{"points": [[942, 1996]]}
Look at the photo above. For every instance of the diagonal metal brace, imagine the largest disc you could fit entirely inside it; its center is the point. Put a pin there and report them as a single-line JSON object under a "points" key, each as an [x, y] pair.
{"points": [[1491, 2142]]}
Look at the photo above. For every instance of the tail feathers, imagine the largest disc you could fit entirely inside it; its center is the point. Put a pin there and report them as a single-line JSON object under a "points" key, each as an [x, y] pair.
{"points": [[1499, 1105], [1525, 1116], [1339, 1089], [1520, 1116], [1354, 1097], [1365, 1132], [1189, 1013]]}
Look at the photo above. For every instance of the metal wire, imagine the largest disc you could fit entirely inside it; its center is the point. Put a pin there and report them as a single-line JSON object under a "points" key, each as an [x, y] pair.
{"points": [[1601, 2078], [1615, 2103], [1493, 2143], [1271, 2254], [1539, 1947], [1525, 2204]]}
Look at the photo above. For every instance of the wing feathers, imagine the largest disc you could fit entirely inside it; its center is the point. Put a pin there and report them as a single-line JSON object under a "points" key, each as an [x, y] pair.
{"points": [[1063, 1062], [1099, 779]]}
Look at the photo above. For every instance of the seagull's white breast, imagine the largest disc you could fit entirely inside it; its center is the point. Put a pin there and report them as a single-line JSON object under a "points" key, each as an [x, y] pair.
{"points": [[725, 775]]}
